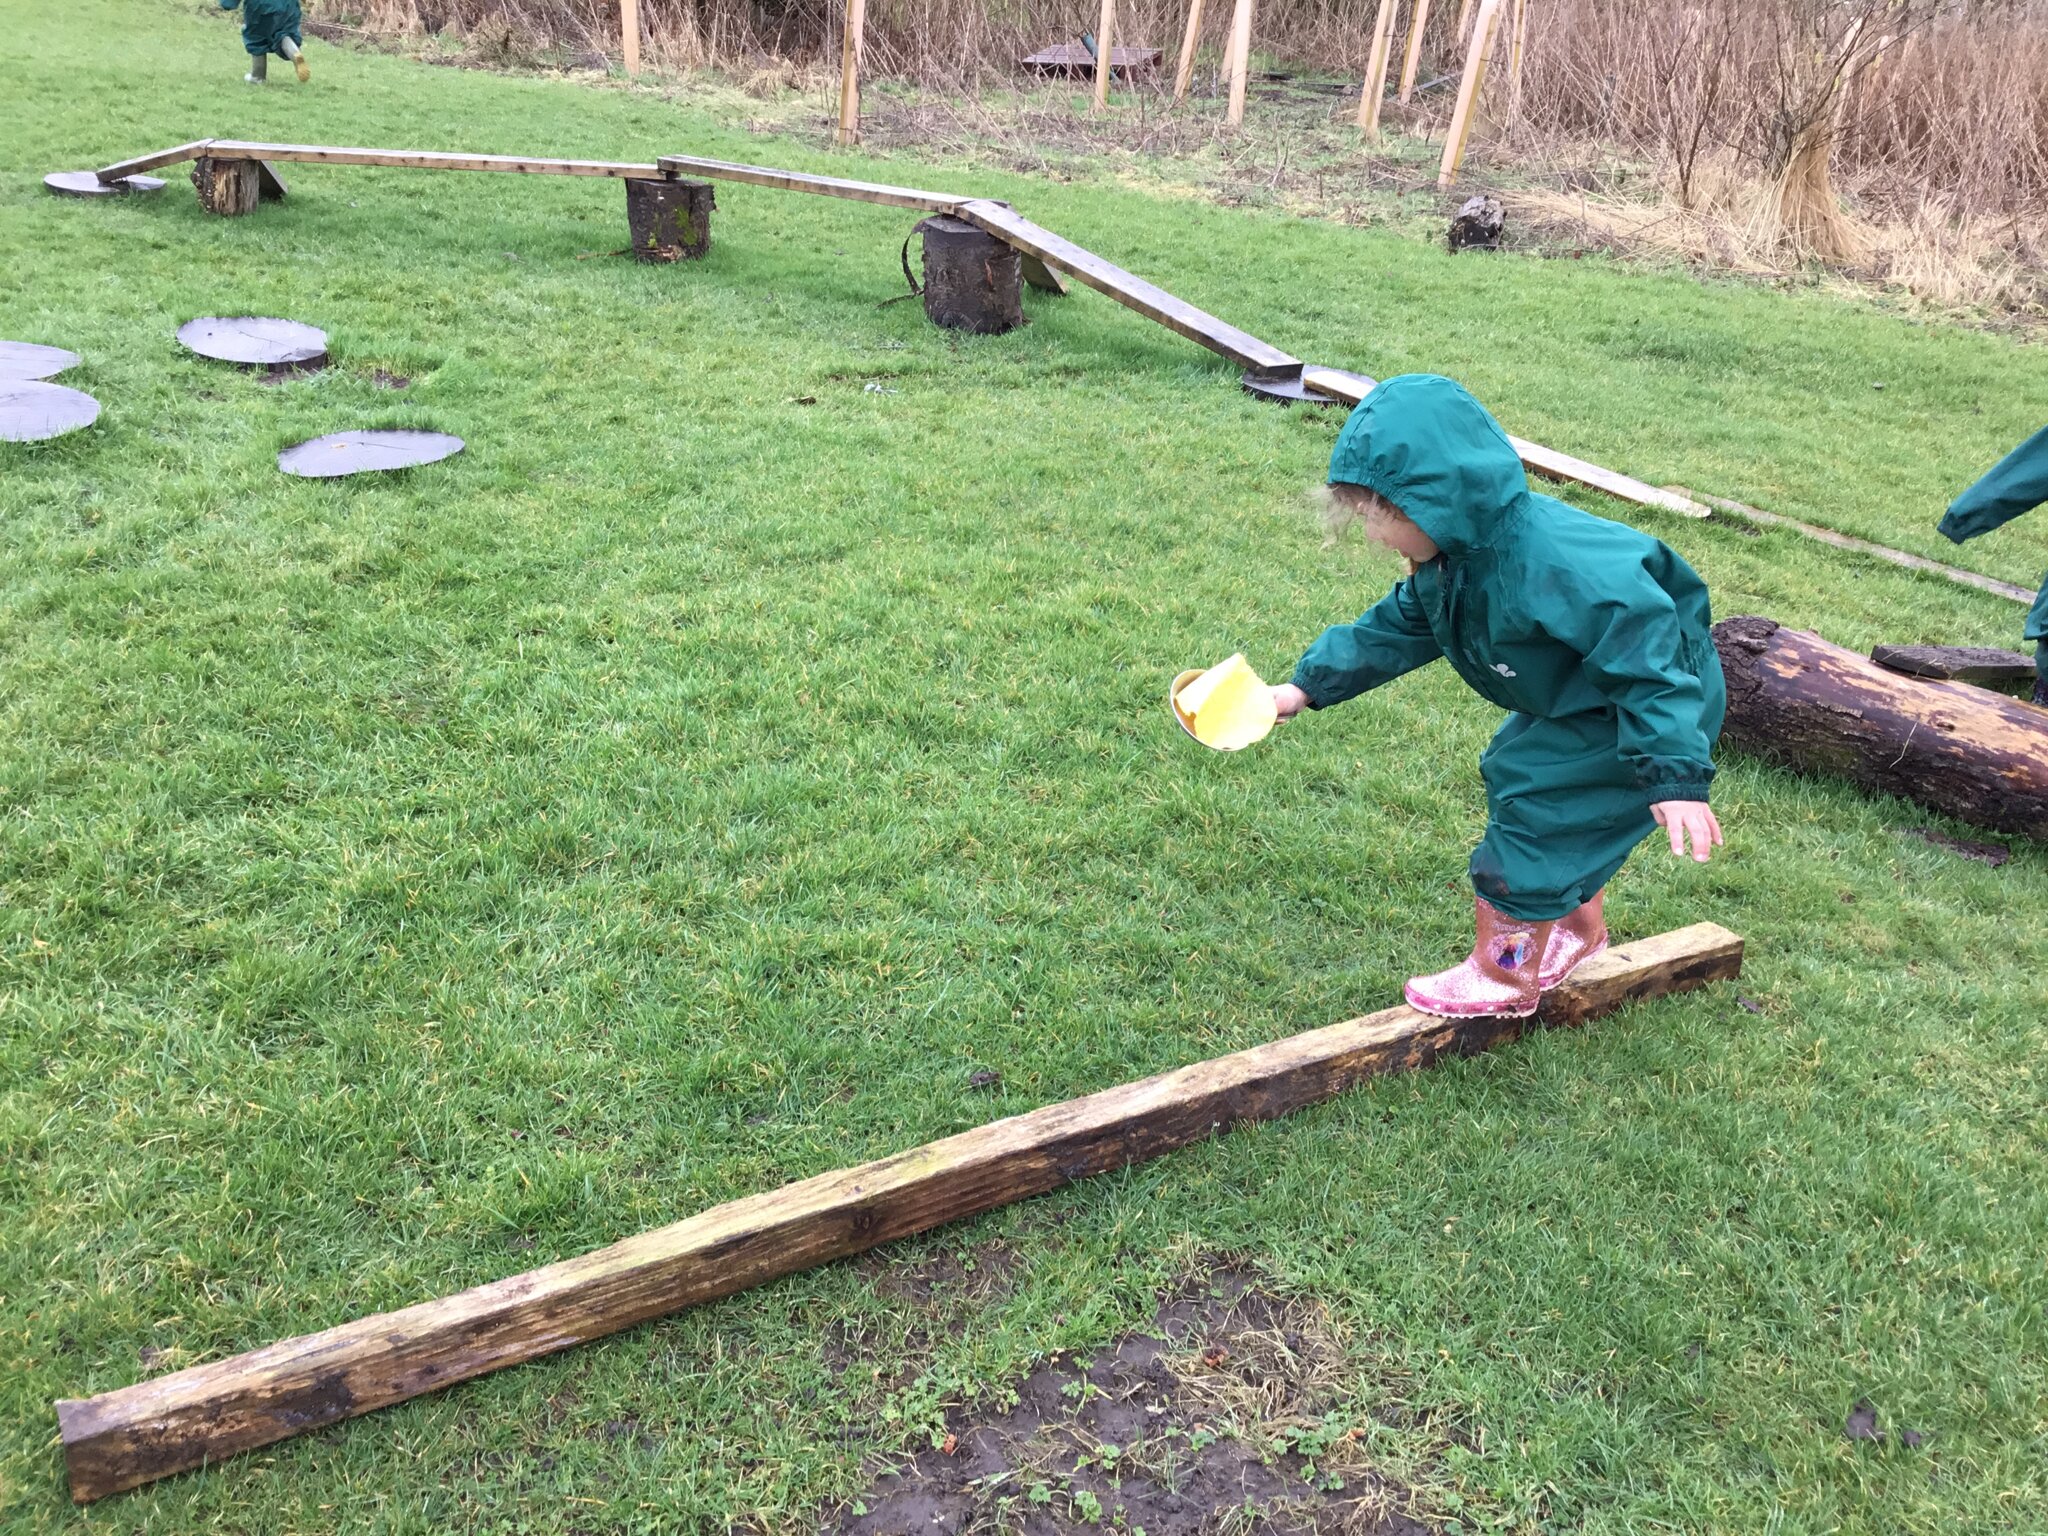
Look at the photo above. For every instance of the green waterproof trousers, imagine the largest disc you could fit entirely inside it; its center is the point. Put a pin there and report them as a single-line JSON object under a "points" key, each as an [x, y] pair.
{"points": [[1564, 809]]}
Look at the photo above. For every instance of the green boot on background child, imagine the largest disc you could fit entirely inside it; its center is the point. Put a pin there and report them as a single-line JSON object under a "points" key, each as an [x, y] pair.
{"points": [[270, 26]]}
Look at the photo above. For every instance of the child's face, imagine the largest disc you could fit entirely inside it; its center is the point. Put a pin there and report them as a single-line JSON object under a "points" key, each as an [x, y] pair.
{"points": [[1385, 524]]}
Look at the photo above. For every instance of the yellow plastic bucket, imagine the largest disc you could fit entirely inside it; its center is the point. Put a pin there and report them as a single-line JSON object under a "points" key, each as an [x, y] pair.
{"points": [[1227, 707]]}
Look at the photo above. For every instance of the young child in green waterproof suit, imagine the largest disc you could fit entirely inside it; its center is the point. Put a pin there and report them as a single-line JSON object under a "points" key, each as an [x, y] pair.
{"points": [[1594, 636], [2015, 484], [270, 26]]}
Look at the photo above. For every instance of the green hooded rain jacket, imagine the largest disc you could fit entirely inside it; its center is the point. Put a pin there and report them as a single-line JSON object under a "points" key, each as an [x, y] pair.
{"points": [[1594, 636], [266, 23], [2016, 483]]}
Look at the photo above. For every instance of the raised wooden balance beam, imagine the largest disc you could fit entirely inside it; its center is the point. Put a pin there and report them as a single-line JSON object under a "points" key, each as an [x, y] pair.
{"points": [[189, 1418]]}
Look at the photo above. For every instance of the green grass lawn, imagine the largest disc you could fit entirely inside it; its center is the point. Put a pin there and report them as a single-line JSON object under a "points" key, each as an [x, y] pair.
{"points": [[687, 788]]}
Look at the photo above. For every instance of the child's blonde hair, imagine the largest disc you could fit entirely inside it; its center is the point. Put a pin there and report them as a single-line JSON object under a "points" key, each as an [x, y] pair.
{"points": [[1343, 506]]}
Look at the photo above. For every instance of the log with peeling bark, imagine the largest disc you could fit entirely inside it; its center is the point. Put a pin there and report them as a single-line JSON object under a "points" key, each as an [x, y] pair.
{"points": [[133, 1435], [1796, 699]]}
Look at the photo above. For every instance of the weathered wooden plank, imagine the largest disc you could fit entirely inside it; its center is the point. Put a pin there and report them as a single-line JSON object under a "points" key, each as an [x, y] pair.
{"points": [[150, 162], [1897, 557], [1155, 303], [427, 160], [1534, 456], [1984, 666], [803, 181], [1039, 275], [128, 1437]]}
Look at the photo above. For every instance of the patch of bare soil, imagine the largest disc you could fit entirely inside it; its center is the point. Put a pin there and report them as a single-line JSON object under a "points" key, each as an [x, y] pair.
{"points": [[1224, 1416]]}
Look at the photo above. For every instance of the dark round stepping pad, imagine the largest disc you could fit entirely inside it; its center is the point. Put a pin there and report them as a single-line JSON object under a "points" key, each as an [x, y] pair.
{"points": [[29, 360], [355, 453], [31, 410], [255, 342], [86, 184], [1294, 392]]}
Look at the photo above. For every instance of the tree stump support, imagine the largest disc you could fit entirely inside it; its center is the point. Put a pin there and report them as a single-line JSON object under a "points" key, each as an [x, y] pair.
{"points": [[670, 219], [1797, 700], [972, 280], [229, 188]]}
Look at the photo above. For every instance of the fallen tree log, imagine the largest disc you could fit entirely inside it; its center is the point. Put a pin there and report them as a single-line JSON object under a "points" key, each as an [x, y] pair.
{"points": [[124, 1438], [1795, 699]]}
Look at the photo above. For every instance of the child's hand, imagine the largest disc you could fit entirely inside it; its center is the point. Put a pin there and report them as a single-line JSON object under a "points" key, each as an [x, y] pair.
{"points": [[1289, 701], [1692, 819]]}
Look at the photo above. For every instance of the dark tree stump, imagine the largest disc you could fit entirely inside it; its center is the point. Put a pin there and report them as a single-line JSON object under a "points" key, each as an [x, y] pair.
{"points": [[670, 219], [1478, 225], [1986, 666], [229, 188], [972, 280], [1795, 699]]}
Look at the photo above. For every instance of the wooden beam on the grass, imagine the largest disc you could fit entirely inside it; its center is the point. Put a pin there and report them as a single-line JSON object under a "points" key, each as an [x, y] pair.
{"points": [[1899, 557], [1184, 73], [124, 1438], [1547, 462], [1105, 30], [427, 160], [177, 152], [1153, 302], [1468, 92], [1240, 60], [1412, 59], [850, 45], [824, 186], [629, 35], [1376, 68]]}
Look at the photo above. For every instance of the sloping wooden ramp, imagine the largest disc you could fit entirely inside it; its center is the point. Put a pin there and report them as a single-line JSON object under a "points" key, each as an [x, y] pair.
{"points": [[128, 1437]]}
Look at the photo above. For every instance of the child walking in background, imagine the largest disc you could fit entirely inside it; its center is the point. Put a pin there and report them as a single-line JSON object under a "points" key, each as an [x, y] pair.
{"points": [[1594, 636], [270, 26], [2016, 483]]}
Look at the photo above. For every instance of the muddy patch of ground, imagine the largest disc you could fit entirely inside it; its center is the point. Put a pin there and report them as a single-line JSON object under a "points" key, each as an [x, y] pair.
{"points": [[1225, 1415]]}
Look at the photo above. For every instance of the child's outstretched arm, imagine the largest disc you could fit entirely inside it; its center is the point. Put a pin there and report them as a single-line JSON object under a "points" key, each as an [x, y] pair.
{"points": [[1391, 638]]}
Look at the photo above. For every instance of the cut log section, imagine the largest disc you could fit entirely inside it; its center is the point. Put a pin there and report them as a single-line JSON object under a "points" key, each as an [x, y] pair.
{"points": [[88, 184], [972, 281], [230, 188], [125, 1438], [670, 220], [1985, 666], [32, 360], [1795, 699]]}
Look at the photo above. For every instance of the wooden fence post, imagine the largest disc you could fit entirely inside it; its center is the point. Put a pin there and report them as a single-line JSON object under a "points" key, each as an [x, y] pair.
{"points": [[1186, 72], [1468, 91], [1412, 60], [1240, 60], [1376, 68], [848, 131], [1104, 51], [629, 34], [1515, 47]]}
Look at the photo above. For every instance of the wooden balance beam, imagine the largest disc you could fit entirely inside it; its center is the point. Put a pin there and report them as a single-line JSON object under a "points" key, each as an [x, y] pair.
{"points": [[402, 159], [1536, 458], [124, 1438]]}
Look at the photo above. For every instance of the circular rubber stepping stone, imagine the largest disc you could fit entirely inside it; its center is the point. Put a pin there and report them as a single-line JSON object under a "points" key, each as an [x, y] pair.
{"points": [[1294, 392], [29, 360], [253, 341], [356, 453], [31, 410], [86, 184]]}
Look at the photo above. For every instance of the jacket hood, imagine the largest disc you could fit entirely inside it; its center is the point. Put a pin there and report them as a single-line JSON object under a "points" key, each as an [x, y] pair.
{"points": [[1428, 447]]}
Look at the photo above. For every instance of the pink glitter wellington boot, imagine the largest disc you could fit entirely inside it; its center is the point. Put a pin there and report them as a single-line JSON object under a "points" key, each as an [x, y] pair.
{"points": [[1500, 976], [1575, 938]]}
